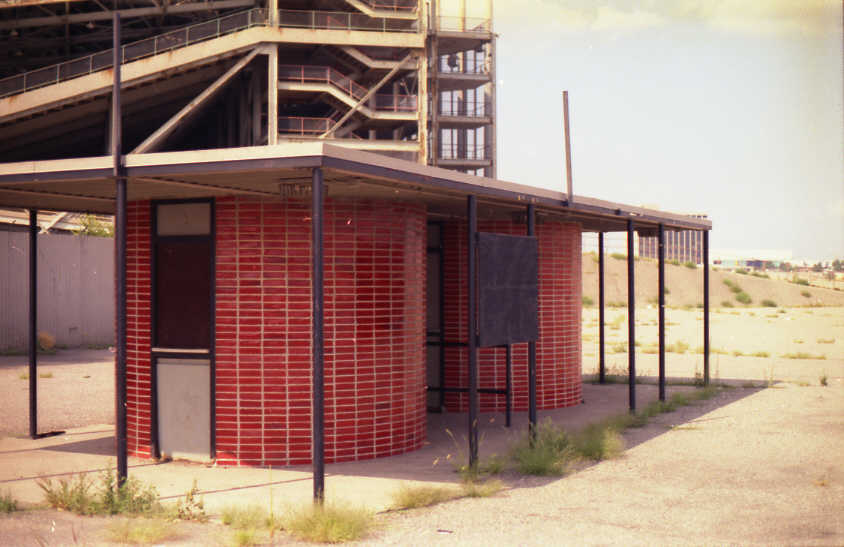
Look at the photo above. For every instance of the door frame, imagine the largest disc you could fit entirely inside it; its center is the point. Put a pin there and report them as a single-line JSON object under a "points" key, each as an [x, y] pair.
{"points": [[155, 354]]}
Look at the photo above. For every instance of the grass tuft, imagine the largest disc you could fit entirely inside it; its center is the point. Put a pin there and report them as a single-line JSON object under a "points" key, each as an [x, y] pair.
{"points": [[823, 380], [484, 489], [46, 375], [826, 340], [413, 497], [141, 532], [8, 504], [768, 303], [726, 304], [761, 354], [587, 301], [329, 524], [598, 442], [802, 355], [551, 453], [242, 518], [744, 298], [78, 495], [805, 294]]}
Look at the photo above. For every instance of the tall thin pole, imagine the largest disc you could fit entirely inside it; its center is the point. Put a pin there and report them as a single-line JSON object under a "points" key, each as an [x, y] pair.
{"points": [[33, 323], [602, 372], [631, 318], [119, 260], [531, 231], [318, 340], [569, 192], [661, 287], [706, 307], [472, 328]]}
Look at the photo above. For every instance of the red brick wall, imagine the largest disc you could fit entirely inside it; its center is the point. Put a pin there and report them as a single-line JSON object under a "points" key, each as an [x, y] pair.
{"points": [[374, 321], [558, 380], [138, 295], [374, 330]]}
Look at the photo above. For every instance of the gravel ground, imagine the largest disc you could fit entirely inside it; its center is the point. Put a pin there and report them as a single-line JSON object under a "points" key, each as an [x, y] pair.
{"points": [[78, 390]]}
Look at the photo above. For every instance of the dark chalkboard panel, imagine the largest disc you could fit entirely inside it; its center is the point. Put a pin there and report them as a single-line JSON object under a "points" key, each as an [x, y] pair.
{"points": [[508, 289]]}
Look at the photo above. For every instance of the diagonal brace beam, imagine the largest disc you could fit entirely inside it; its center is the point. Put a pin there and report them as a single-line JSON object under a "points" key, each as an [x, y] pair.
{"points": [[366, 97], [154, 140]]}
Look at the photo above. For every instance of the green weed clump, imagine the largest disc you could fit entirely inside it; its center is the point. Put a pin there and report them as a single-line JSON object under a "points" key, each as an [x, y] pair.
{"points": [[768, 303], [726, 304], [413, 497], [691, 265], [760, 275], [617, 304], [677, 347], [619, 347], [619, 256], [800, 281], [551, 453], [826, 340], [483, 489], [744, 298], [79, 496], [598, 442], [764, 354], [329, 523], [244, 518], [587, 301], [741, 271], [803, 355], [805, 294], [141, 532], [8, 504]]}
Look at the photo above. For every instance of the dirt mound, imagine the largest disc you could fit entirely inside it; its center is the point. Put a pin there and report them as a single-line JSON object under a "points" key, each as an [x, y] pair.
{"points": [[684, 286]]}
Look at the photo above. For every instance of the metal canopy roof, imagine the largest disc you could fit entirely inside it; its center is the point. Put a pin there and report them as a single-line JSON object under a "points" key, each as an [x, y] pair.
{"points": [[273, 172]]}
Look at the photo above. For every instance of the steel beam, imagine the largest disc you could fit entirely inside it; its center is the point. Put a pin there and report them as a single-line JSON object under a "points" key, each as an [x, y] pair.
{"points": [[661, 288], [152, 142], [472, 328], [531, 231], [83, 18], [119, 263], [631, 318], [33, 323], [706, 307], [602, 371], [318, 434]]}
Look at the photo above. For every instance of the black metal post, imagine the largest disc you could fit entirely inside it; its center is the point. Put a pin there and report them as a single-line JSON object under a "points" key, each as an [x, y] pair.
{"points": [[531, 231], [119, 262], [509, 381], [661, 288], [602, 369], [472, 342], [706, 307], [318, 340], [33, 323], [631, 318]]}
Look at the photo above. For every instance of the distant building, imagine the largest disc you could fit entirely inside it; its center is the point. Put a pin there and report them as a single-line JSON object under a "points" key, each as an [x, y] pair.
{"points": [[683, 246]]}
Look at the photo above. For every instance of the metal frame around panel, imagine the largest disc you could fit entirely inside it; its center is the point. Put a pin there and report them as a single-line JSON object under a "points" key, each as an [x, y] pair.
{"points": [[154, 354]]}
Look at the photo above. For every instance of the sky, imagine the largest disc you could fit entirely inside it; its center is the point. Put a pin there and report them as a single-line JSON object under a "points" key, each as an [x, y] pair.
{"points": [[727, 107]]}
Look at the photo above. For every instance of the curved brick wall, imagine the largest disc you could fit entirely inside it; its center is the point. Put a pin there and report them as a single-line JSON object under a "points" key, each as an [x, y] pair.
{"points": [[374, 330], [558, 366]]}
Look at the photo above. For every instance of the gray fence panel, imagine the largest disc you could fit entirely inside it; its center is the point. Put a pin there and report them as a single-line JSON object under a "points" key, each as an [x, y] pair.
{"points": [[75, 289]]}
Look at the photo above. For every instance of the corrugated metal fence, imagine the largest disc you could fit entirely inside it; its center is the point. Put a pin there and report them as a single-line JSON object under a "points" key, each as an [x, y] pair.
{"points": [[75, 289]]}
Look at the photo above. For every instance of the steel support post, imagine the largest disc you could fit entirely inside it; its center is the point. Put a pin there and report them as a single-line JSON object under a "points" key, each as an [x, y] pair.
{"points": [[471, 327], [661, 288], [33, 323], [602, 370], [706, 307], [119, 261], [318, 438], [531, 231], [508, 408], [631, 318]]}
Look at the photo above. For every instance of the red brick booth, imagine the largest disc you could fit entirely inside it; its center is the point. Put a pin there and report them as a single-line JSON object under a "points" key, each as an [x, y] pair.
{"points": [[266, 324]]}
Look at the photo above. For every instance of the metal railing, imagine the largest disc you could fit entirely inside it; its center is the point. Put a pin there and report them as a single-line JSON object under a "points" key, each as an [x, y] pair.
{"points": [[462, 24], [193, 34], [470, 109], [395, 103], [328, 75], [460, 63], [457, 151], [303, 125], [393, 5]]}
